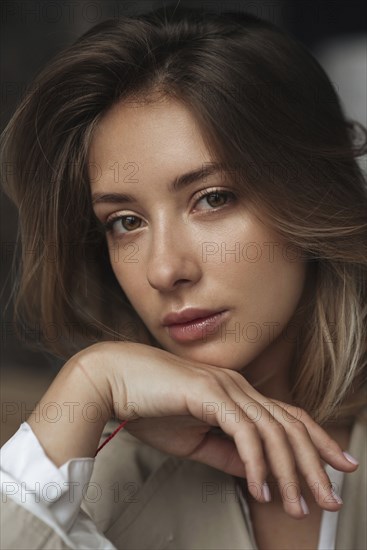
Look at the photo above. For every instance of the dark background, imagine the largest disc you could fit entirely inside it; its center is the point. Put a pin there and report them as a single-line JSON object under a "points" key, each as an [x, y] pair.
{"points": [[32, 32]]}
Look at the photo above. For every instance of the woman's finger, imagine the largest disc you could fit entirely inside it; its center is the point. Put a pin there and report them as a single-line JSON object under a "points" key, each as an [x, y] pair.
{"points": [[308, 461], [225, 414], [278, 450], [327, 447]]}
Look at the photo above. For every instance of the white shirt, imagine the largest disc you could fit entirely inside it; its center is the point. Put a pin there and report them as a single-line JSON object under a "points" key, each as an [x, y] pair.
{"points": [[52, 494], [55, 494]]}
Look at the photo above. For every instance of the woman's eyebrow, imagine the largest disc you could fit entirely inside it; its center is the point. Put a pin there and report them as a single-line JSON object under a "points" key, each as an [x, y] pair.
{"points": [[177, 184]]}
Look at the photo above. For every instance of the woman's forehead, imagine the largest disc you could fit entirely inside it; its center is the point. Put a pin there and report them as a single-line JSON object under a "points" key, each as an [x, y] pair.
{"points": [[157, 138]]}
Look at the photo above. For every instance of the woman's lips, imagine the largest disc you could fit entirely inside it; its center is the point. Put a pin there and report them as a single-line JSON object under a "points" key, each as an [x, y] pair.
{"points": [[197, 329]]}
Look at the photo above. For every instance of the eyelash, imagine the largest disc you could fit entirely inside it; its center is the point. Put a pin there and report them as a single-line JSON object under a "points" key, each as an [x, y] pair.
{"points": [[108, 225]]}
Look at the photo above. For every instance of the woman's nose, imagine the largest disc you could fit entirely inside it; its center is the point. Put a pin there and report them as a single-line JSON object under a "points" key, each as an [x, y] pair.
{"points": [[173, 261]]}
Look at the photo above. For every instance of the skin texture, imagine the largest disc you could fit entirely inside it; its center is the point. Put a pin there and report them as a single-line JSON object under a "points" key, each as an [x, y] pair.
{"points": [[181, 245]]}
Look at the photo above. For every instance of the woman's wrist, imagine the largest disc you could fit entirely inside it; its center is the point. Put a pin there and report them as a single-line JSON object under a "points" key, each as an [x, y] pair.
{"points": [[70, 418]]}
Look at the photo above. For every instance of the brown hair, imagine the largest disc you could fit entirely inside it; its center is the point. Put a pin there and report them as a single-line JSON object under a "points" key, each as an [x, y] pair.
{"points": [[265, 107]]}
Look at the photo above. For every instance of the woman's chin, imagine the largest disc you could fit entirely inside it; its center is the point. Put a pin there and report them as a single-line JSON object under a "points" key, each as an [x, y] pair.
{"points": [[216, 355]]}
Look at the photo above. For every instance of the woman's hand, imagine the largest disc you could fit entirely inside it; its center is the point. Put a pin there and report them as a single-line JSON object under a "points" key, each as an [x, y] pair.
{"points": [[174, 404]]}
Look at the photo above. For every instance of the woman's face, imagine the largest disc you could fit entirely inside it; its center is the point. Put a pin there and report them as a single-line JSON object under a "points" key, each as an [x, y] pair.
{"points": [[176, 249]]}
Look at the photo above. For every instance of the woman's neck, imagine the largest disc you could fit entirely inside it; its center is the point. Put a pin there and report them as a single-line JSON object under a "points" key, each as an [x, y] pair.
{"points": [[269, 373]]}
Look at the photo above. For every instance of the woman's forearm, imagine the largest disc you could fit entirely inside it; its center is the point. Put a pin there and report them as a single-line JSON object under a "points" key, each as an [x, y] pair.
{"points": [[70, 417]]}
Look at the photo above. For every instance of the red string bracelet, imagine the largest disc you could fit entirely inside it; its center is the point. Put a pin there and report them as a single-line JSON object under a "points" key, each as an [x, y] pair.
{"points": [[110, 437]]}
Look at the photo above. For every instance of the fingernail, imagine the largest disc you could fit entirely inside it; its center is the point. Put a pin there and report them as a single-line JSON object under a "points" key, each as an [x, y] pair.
{"points": [[337, 497], [266, 492], [304, 506], [350, 458]]}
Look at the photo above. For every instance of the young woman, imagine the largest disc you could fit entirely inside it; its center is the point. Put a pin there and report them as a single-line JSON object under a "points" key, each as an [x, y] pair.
{"points": [[193, 228]]}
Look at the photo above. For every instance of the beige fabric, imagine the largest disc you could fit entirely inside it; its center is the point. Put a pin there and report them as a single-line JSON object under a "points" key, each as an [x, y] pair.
{"points": [[164, 502], [150, 500], [20, 529]]}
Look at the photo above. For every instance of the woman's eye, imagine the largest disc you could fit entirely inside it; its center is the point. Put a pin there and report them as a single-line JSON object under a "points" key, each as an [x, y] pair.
{"points": [[119, 223], [216, 199]]}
